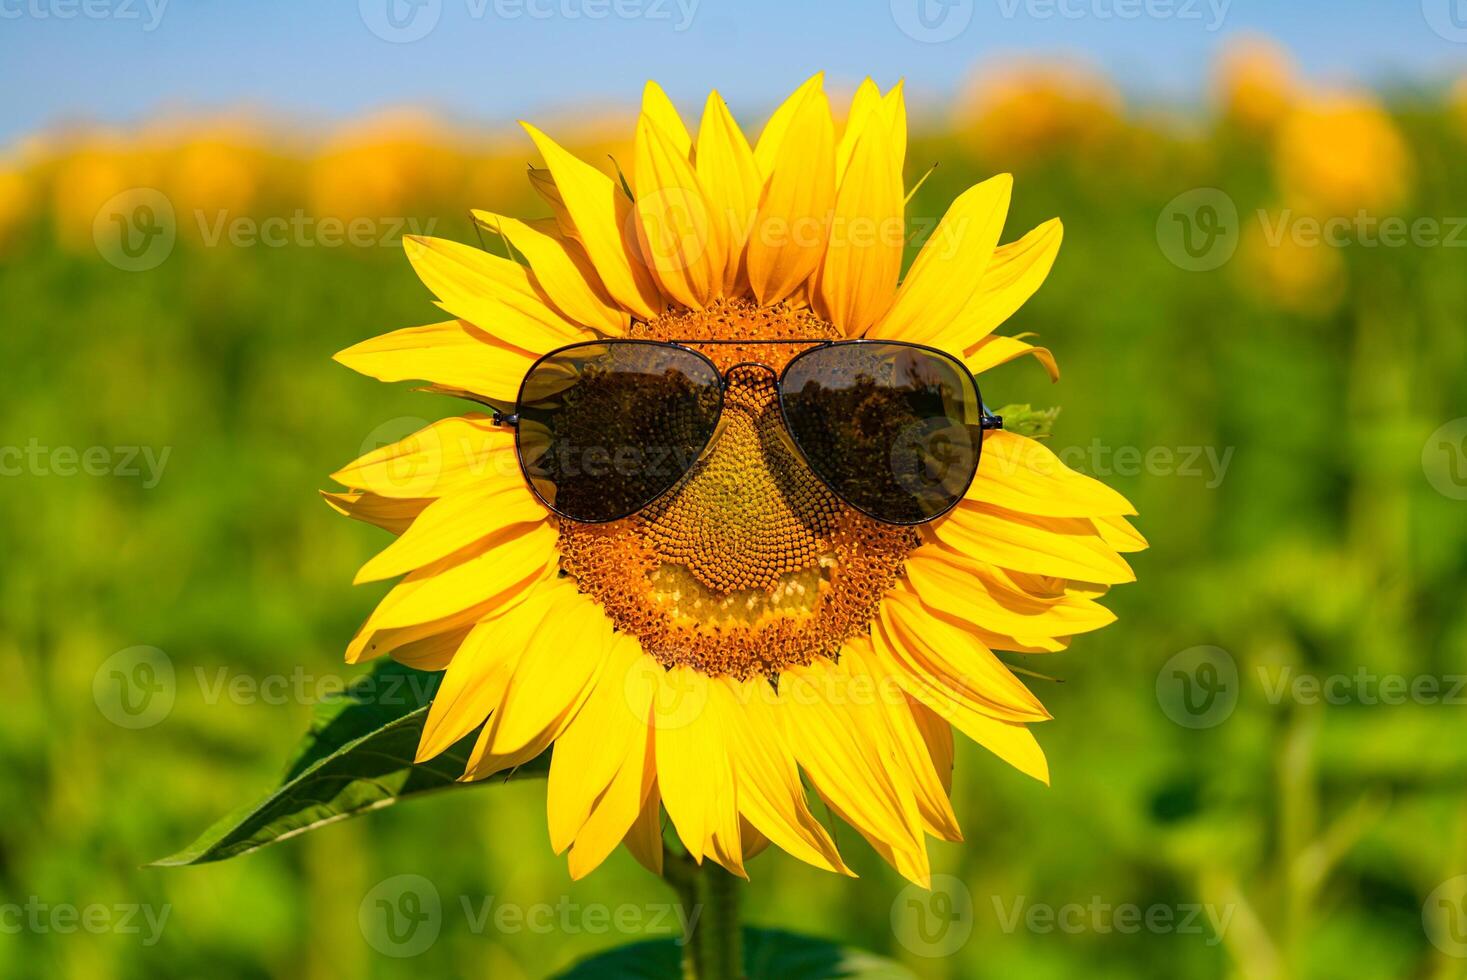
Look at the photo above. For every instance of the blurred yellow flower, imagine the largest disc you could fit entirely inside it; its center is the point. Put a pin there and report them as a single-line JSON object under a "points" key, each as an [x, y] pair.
{"points": [[1299, 274], [1025, 111], [16, 201], [1256, 84], [497, 173], [214, 172], [390, 166], [1340, 153], [1457, 105], [90, 175]]}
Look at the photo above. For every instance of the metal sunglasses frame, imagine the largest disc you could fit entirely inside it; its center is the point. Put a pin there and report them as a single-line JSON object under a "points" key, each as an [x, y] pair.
{"points": [[986, 420]]}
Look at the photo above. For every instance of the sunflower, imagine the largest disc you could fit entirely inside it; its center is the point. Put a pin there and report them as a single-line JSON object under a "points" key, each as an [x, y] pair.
{"points": [[748, 637]]}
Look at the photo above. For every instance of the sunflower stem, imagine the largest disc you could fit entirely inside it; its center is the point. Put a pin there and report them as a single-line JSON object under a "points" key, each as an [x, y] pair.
{"points": [[713, 936]]}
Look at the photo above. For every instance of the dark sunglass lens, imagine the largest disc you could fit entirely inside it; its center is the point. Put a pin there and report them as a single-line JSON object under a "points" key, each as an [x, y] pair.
{"points": [[606, 428], [895, 430]]}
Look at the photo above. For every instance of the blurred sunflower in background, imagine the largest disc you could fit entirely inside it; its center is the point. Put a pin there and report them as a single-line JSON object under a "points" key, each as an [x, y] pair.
{"points": [[1281, 271], [748, 633], [16, 205], [1032, 111], [1256, 84], [1457, 105], [385, 166], [1340, 152]]}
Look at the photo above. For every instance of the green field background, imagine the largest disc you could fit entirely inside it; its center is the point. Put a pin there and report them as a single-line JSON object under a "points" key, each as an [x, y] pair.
{"points": [[1333, 543]]}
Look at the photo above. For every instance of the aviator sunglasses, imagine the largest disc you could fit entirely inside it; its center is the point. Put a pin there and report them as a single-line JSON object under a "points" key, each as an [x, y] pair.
{"points": [[605, 428]]}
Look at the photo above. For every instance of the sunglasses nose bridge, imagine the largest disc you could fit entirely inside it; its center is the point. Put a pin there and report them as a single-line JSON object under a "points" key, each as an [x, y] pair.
{"points": [[748, 365], [780, 430]]}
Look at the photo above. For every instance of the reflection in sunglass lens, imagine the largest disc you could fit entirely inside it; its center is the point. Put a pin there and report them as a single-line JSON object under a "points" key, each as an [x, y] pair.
{"points": [[894, 429], [606, 428]]}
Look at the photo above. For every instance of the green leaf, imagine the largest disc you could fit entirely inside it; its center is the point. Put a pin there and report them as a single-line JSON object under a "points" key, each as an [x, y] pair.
{"points": [[769, 954], [357, 757], [1026, 420]]}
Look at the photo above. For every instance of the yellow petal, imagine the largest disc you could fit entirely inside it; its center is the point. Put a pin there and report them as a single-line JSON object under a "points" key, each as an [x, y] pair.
{"points": [[497, 295], [943, 659], [983, 595], [938, 736], [1010, 741], [1067, 547], [865, 103], [1015, 273], [994, 350], [375, 637], [680, 236], [472, 687], [1014, 744], [371, 642], [556, 263], [544, 185], [894, 109], [449, 455], [385, 512], [455, 354], [842, 745], [908, 857], [858, 275], [481, 763], [910, 756], [618, 810], [604, 226], [1117, 532], [554, 675], [644, 839], [948, 270], [766, 151], [790, 230], [732, 182], [432, 653], [489, 569], [595, 744], [1035, 645], [453, 522], [692, 760], [475, 681], [871, 108], [753, 841], [770, 795], [1022, 474], [659, 108]]}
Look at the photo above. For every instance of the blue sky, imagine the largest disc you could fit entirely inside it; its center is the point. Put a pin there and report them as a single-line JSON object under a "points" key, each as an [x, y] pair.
{"points": [[496, 60]]}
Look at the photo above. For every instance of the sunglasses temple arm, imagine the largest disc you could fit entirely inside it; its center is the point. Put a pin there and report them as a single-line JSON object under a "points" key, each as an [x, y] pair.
{"points": [[987, 420]]}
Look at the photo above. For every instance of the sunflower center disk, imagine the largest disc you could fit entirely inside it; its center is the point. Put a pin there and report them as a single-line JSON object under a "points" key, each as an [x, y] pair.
{"points": [[750, 564], [750, 515]]}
